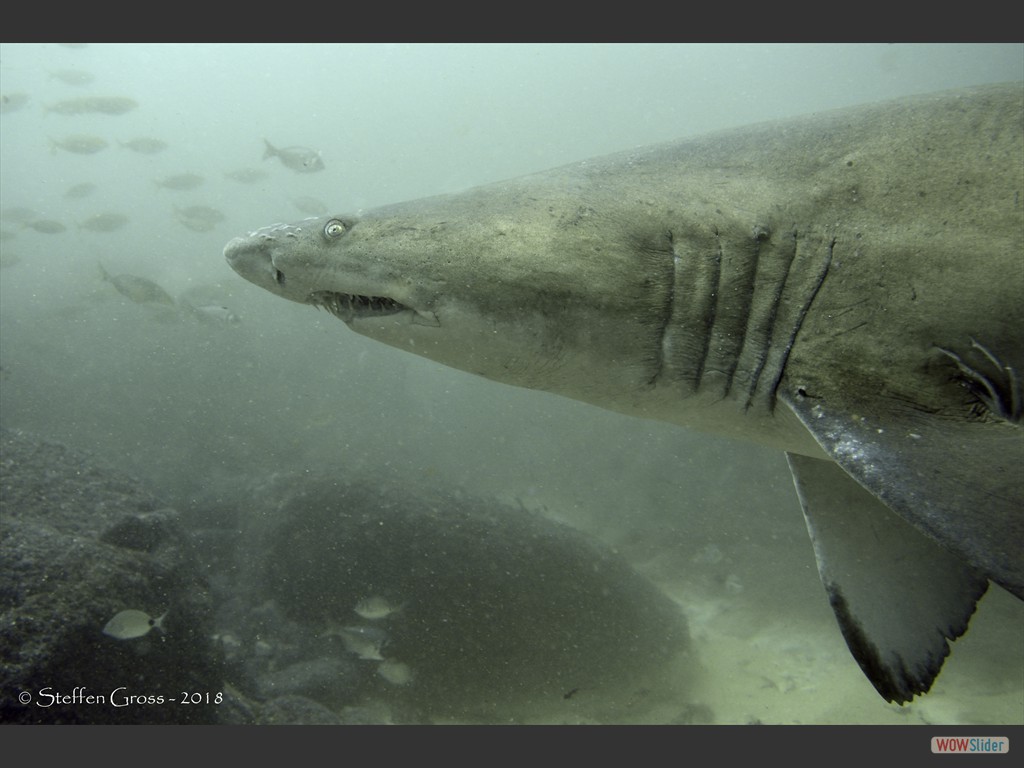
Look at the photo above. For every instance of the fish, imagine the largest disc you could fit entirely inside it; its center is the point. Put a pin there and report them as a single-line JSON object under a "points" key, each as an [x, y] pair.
{"points": [[12, 102], [79, 191], [298, 159], [18, 214], [310, 205], [844, 287], [132, 623], [76, 77], [197, 225], [246, 175], [365, 642], [376, 607], [139, 289], [180, 181], [395, 672], [86, 105], [79, 145], [199, 218], [104, 222], [213, 314], [47, 226], [145, 145]]}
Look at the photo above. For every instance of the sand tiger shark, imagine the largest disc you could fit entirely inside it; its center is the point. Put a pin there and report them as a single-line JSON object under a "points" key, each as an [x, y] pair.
{"points": [[847, 287]]}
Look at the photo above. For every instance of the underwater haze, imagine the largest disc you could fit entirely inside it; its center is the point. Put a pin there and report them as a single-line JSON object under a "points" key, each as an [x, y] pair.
{"points": [[124, 170]]}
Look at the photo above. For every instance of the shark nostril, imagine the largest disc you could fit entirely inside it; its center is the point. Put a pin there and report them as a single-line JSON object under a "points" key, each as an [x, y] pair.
{"points": [[278, 277]]}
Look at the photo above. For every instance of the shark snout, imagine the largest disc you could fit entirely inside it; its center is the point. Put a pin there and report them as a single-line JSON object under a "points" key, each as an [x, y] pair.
{"points": [[242, 253], [253, 260], [235, 250]]}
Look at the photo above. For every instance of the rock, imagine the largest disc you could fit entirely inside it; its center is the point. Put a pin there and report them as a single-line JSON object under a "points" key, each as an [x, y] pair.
{"points": [[505, 614], [296, 710], [323, 679], [79, 544]]}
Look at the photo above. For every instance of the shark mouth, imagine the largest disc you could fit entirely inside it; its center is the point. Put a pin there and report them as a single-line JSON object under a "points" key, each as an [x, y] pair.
{"points": [[348, 306]]}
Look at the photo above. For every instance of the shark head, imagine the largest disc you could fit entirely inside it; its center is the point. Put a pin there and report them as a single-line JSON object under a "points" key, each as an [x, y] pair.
{"points": [[305, 262], [476, 292]]}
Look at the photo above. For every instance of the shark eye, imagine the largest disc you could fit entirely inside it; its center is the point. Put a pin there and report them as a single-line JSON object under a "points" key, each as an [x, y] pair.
{"points": [[334, 228]]}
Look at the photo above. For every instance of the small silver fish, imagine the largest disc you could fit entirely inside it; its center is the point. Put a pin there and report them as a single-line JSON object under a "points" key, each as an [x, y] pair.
{"points": [[395, 672], [246, 175], [73, 76], [199, 218], [214, 314], [299, 159], [145, 145], [78, 191], [104, 222], [201, 212], [180, 181], [46, 226], [197, 225], [10, 102], [132, 623], [18, 214], [365, 642], [104, 105], [79, 145], [138, 289], [376, 607], [310, 205]]}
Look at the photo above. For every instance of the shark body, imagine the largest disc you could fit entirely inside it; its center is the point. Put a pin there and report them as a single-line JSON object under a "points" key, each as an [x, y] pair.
{"points": [[847, 287]]}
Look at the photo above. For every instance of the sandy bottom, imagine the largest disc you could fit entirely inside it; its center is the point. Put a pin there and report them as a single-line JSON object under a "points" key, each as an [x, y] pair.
{"points": [[797, 670], [767, 648], [783, 670]]}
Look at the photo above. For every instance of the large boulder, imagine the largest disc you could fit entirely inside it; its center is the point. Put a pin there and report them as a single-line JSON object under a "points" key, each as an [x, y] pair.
{"points": [[493, 613]]}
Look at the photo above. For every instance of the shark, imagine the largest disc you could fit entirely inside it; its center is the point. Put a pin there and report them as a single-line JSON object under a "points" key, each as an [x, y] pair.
{"points": [[845, 286]]}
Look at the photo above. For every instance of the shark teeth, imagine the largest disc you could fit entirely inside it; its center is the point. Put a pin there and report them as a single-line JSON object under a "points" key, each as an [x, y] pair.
{"points": [[348, 306]]}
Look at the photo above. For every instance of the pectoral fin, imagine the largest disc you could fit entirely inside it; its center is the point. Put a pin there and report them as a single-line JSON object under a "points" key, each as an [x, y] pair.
{"points": [[958, 480], [898, 596]]}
